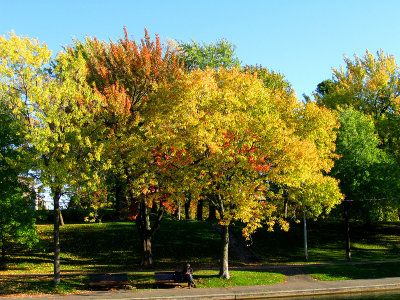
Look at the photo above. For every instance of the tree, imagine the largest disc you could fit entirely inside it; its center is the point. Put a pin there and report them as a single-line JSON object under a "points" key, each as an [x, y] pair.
{"points": [[16, 199], [312, 124], [367, 173], [244, 137], [125, 77], [55, 126], [213, 55], [202, 56], [368, 88], [371, 85], [16, 218], [365, 170]]}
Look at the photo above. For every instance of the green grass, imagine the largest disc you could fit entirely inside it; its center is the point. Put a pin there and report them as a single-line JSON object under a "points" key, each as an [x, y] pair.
{"points": [[238, 278], [114, 247], [42, 285], [348, 272], [326, 243], [177, 243], [143, 280], [84, 248]]}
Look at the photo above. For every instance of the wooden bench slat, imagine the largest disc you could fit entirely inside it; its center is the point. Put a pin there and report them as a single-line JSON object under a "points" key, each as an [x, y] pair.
{"points": [[169, 277], [108, 279]]}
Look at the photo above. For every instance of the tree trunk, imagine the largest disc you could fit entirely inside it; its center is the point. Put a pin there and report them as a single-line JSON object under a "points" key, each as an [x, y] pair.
{"points": [[188, 210], [146, 231], [147, 256], [57, 213], [61, 219], [199, 213], [118, 196], [212, 212], [154, 208], [286, 207], [305, 235], [347, 228], [224, 268]]}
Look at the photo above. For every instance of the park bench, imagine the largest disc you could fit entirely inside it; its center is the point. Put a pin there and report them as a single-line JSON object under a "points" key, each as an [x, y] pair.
{"points": [[108, 280], [173, 277]]}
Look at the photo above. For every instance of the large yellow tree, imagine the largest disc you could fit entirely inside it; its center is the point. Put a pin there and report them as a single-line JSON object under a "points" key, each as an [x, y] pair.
{"points": [[239, 138]]}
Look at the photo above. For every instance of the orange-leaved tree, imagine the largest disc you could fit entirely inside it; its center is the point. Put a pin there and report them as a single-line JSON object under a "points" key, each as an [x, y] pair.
{"points": [[126, 74]]}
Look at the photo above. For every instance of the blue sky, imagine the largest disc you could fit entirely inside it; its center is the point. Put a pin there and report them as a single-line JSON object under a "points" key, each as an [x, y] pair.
{"points": [[301, 39]]}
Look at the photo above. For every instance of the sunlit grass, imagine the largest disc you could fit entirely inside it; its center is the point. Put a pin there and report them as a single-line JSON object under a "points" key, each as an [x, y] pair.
{"points": [[141, 280], [114, 247], [238, 278]]}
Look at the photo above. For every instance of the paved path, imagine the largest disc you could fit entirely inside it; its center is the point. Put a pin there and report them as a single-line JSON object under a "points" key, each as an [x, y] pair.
{"points": [[297, 284]]}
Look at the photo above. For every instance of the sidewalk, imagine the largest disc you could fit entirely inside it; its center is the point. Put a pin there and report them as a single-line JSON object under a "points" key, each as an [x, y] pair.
{"points": [[297, 284]]}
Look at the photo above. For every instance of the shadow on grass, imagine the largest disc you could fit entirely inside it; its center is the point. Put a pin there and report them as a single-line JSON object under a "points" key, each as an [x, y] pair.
{"points": [[326, 243], [354, 271], [42, 285]]}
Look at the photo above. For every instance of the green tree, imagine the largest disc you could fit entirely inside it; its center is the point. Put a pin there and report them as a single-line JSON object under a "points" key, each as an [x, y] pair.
{"points": [[365, 170], [213, 55], [371, 85], [16, 199], [17, 223], [55, 126], [368, 175]]}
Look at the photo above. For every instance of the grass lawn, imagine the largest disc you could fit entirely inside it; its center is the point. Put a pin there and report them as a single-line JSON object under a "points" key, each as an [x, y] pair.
{"points": [[114, 247], [326, 243], [143, 280], [238, 278], [348, 272]]}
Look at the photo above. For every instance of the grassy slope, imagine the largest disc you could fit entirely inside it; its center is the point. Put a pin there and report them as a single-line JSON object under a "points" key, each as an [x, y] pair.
{"points": [[348, 272], [326, 243], [113, 247]]}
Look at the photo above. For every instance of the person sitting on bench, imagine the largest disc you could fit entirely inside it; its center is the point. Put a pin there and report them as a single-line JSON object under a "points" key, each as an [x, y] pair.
{"points": [[188, 275]]}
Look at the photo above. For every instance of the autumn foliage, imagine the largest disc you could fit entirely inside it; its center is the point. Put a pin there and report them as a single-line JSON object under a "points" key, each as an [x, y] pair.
{"points": [[236, 137]]}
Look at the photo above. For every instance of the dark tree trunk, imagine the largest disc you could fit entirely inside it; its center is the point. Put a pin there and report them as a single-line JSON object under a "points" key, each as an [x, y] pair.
{"points": [[199, 213], [212, 212], [146, 231], [147, 256], [368, 221], [188, 210], [57, 212], [154, 208], [347, 229], [224, 268], [305, 235], [118, 197]]}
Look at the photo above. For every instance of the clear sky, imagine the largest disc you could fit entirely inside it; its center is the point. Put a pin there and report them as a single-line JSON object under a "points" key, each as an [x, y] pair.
{"points": [[302, 39]]}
